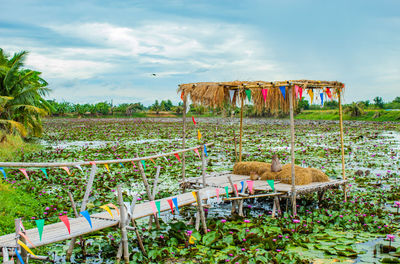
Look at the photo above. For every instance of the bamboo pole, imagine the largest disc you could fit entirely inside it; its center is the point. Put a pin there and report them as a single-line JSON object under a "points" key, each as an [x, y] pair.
{"points": [[203, 166], [153, 195], [342, 141], [292, 149], [241, 125], [201, 211], [22, 251], [234, 202], [184, 144], [73, 240], [124, 235], [6, 259]]}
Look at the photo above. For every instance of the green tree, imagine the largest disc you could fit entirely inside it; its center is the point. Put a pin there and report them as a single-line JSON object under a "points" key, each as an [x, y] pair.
{"points": [[355, 109], [156, 107], [22, 92], [378, 102]]}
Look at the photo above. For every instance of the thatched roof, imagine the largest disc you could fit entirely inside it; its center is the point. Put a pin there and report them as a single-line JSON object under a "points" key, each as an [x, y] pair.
{"points": [[215, 94]]}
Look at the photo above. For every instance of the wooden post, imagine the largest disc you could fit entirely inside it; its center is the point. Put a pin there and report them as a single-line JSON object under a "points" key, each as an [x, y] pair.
{"points": [[83, 206], [122, 222], [73, 240], [341, 141], [292, 149], [153, 195], [234, 139], [184, 144], [203, 166], [241, 124], [234, 203], [22, 251], [5, 256], [201, 211]]}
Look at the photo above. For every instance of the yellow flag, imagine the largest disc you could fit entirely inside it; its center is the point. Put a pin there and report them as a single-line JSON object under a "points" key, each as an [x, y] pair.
{"points": [[198, 134], [22, 244], [195, 196], [113, 206], [192, 239], [105, 207], [311, 94], [108, 169]]}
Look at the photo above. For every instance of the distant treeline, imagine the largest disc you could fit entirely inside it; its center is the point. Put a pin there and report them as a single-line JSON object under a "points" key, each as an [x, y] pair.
{"points": [[167, 107]]}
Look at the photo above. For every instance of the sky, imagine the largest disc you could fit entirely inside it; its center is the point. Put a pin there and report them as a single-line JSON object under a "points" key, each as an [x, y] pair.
{"points": [[140, 51]]}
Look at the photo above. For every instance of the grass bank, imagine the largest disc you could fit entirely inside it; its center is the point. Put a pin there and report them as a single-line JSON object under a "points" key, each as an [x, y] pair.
{"points": [[369, 115], [13, 147]]}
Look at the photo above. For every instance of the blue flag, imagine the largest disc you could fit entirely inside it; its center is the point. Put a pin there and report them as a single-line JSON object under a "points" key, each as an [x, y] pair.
{"points": [[205, 150], [322, 98], [87, 216], [44, 171], [175, 201], [283, 91], [242, 183], [19, 257], [122, 165], [4, 172]]}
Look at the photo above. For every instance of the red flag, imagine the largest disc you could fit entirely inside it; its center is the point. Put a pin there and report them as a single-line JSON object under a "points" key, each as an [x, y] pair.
{"points": [[328, 93], [265, 93], [235, 185], [177, 156], [64, 219], [171, 205], [182, 95], [194, 121], [300, 91]]}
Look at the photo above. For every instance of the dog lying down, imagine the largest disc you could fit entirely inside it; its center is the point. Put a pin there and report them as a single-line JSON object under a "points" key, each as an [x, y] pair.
{"points": [[262, 171]]}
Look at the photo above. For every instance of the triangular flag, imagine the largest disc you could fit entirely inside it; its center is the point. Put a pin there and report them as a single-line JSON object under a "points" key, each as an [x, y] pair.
{"points": [[328, 93], [194, 195], [87, 216], [311, 94], [40, 225], [198, 134], [107, 168], [205, 150], [27, 239], [19, 257], [66, 169], [153, 161], [4, 172], [182, 94], [265, 94], [171, 205], [194, 121], [153, 207], [79, 167], [105, 207], [300, 91], [322, 98], [175, 201], [22, 244], [64, 219], [197, 152], [227, 191], [113, 206], [24, 172], [144, 164], [248, 93], [231, 95], [92, 163], [133, 163], [271, 184], [122, 165], [296, 90], [235, 185], [283, 91], [44, 171], [250, 185], [242, 183], [177, 156], [158, 205]]}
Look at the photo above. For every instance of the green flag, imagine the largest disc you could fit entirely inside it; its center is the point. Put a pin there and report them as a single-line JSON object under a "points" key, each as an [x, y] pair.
{"points": [[40, 225], [227, 191], [271, 183], [248, 93], [158, 205], [144, 164], [44, 171]]}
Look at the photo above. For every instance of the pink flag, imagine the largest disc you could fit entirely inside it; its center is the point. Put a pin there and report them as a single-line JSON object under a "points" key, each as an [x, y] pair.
{"points": [[27, 239], [177, 156], [235, 185], [65, 220], [92, 163], [250, 186], [217, 191], [153, 207], [194, 121], [197, 152], [265, 93], [296, 90], [24, 172], [66, 169], [171, 205]]}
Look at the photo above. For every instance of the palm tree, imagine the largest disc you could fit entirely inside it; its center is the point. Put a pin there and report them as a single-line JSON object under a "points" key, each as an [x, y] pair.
{"points": [[22, 92]]}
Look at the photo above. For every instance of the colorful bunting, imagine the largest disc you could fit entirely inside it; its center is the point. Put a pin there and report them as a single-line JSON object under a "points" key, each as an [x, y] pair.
{"points": [[113, 206], [92, 163], [250, 186], [153, 161], [144, 164], [25, 173], [227, 191], [197, 152], [296, 90], [311, 94], [265, 94], [231, 95], [158, 205], [175, 201], [64, 219], [205, 150], [328, 93], [242, 183], [154, 208], [177, 156], [133, 163], [283, 91], [19, 257], [194, 195], [87, 216], [198, 134], [248, 93], [107, 168], [271, 184], [40, 225], [122, 165], [22, 244], [235, 185], [217, 191], [27, 239], [105, 207], [4, 172], [66, 169], [300, 91], [182, 94], [79, 167], [322, 98], [171, 205], [194, 121]]}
